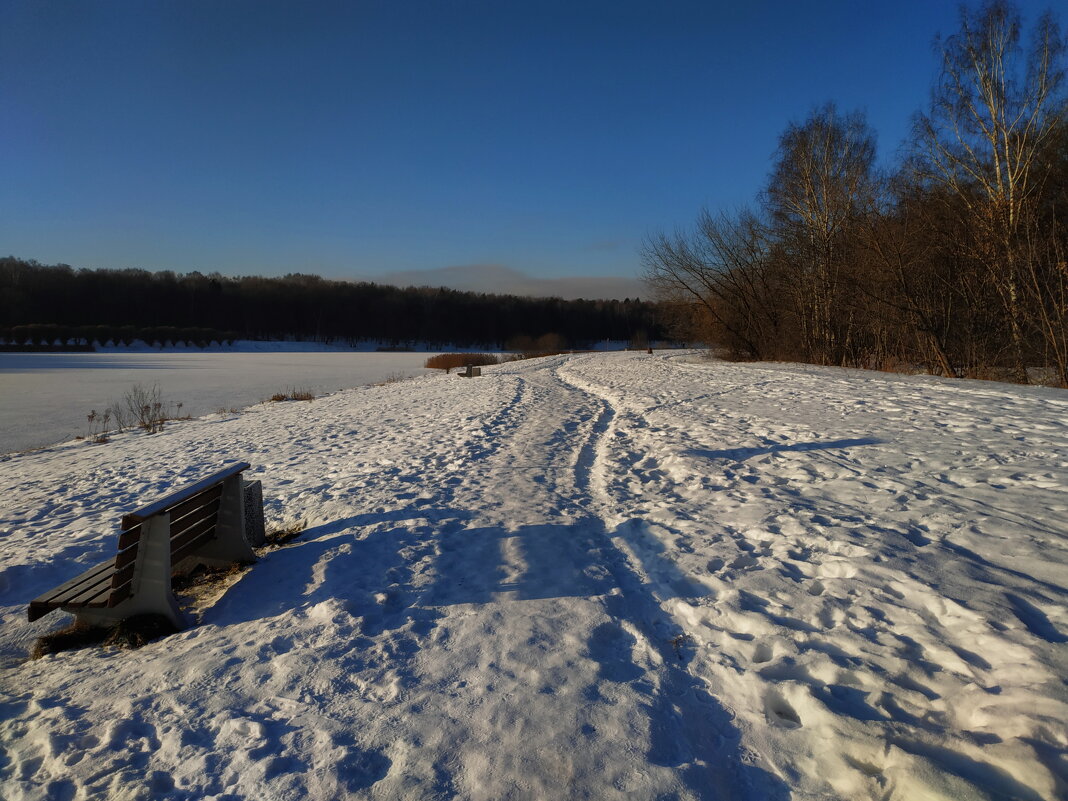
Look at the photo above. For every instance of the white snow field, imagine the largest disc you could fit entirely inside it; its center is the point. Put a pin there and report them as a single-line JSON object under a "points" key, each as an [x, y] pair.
{"points": [[607, 576]]}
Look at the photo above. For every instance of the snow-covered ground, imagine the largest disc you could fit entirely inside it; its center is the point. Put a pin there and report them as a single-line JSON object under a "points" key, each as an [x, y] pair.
{"points": [[45, 397], [610, 576]]}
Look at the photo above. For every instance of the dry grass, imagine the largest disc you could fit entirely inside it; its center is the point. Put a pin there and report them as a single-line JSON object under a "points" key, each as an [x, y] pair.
{"points": [[447, 361], [137, 631], [133, 632], [202, 574], [293, 394], [76, 635], [289, 531], [683, 643], [200, 588]]}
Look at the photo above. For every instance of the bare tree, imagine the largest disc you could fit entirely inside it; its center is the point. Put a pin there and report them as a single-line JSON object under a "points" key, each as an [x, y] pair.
{"points": [[903, 284], [821, 185], [721, 268], [992, 115]]}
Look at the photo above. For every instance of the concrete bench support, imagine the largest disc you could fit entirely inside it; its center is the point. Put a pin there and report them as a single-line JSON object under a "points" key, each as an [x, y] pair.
{"points": [[151, 592], [229, 544]]}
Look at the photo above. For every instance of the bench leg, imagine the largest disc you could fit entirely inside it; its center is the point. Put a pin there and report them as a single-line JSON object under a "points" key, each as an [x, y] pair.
{"points": [[229, 544], [151, 594], [255, 529]]}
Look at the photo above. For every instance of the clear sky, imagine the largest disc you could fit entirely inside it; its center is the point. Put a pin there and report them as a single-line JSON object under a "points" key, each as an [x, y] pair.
{"points": [[353, 139]]}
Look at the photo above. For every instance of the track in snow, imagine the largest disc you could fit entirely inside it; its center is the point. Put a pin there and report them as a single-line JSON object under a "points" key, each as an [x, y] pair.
{"points": [[612, 576]]}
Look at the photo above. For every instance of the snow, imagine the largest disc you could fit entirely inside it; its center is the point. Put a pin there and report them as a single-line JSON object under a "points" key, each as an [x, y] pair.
{"points": [[599, 576]]}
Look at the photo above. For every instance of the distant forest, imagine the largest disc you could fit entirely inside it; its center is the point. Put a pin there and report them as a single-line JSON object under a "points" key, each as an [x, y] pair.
{"points": [[44, 304], [954, 258]]}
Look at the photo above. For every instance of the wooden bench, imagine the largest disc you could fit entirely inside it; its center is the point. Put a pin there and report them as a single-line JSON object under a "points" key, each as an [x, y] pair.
{"points": [[202, 524], [470, 371]]}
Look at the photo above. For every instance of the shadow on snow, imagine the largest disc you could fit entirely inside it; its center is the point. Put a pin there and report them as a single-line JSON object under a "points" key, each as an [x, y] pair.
{"points": [[741, 454], [403, 577]]}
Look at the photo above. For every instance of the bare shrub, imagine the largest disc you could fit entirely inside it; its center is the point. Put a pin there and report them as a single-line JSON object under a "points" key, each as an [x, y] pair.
{"points": [[98, 426], [447, 361], [145, 407], [140, 407], [119, 415]]}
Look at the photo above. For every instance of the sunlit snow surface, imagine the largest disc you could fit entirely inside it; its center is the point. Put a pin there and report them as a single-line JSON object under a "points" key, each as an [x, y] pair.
{"points": [[610, 576]]}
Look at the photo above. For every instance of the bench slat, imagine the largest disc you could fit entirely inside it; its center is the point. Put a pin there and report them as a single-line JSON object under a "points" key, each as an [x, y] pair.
{"points": [[70, 586], [122, 577], [175, 498], [211, 495], [130, 535], [128, 555], [95, 594], [191, 539], [90, 593], [120, 594], [183, 524], [208, 497]]}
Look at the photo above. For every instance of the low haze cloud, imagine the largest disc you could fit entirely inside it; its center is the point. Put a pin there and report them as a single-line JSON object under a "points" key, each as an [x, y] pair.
{"points": [[496, 278]]}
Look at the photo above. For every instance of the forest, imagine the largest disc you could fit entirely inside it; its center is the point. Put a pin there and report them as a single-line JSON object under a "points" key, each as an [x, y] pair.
{"points": [[953, 259], [41, 305]]}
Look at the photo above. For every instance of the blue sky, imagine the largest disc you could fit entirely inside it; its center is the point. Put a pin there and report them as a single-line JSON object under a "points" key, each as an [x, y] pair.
{"points": [[362, 138]]}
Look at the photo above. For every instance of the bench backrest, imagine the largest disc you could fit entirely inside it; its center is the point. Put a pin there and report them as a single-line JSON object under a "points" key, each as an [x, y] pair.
{"points": [[193, 513]]}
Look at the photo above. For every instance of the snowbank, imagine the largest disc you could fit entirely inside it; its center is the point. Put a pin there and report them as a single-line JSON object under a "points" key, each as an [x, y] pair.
{"points": [[601, 576]]}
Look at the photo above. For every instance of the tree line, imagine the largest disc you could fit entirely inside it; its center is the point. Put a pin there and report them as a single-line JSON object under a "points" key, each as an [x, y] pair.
{"points": [[954, 258], [57, 303]]}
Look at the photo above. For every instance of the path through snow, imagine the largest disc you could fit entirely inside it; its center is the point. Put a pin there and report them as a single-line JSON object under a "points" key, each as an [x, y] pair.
{"points": [[602, 576]]}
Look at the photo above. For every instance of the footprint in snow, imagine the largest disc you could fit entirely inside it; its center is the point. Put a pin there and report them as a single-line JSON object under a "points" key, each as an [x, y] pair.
{"points": [[780, 712]]}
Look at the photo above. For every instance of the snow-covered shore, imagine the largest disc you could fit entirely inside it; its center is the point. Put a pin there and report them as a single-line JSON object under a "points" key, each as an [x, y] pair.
{"points": [[598, 576], [45, 397]]}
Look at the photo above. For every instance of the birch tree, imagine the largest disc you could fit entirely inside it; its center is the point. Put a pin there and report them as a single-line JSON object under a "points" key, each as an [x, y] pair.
{"points": [[821, 185], [991, 119]]}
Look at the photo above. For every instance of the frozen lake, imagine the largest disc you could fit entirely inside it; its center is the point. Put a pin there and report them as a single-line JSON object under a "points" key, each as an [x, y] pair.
{"points": [[45, 397]]}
